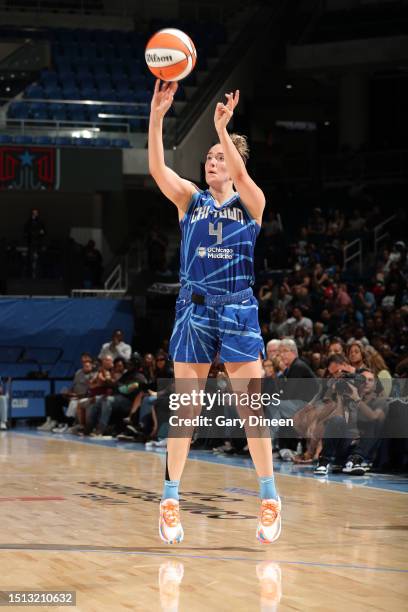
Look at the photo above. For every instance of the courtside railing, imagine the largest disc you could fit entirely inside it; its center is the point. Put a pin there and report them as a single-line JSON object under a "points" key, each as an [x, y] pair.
{"points": [[380, 233], [353, 252]]}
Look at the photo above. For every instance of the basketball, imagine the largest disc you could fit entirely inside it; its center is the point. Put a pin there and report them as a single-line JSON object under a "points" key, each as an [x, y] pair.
{"points": [[170, 54]]}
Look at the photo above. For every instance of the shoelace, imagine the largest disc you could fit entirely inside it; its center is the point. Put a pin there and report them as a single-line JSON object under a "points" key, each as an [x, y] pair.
{"points": [[269, 513], [171, 515]]}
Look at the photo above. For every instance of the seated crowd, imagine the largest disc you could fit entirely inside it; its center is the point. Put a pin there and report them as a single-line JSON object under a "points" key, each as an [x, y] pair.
{"points": [[121, 395], [116, 395], [317, 324]]}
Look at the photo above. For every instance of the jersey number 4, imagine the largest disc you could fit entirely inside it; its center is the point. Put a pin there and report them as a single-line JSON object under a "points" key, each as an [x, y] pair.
{"points": [[216, 231]]}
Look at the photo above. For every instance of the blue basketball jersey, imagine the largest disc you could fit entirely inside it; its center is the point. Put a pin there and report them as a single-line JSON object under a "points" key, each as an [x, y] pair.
{"points": [[217, 246]]}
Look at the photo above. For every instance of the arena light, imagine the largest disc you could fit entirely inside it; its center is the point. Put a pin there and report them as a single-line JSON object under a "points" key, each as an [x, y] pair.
{"points": [[302, 126], [88, 133], [112, 116]]}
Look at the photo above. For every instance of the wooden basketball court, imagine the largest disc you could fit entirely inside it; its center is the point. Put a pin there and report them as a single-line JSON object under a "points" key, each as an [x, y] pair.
{"points": [[83, 517]]}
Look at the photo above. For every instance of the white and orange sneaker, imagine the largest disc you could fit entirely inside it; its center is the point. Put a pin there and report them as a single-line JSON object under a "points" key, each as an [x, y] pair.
{"points": [[170, 528], [270, 522]]}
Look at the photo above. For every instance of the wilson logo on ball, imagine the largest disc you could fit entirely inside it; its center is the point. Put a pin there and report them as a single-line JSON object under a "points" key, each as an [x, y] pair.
{"points": [[170, 54], [154, 59]]}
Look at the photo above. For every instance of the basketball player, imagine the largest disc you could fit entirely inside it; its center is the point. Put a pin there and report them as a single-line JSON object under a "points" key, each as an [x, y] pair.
{"points": [[216, 311]]}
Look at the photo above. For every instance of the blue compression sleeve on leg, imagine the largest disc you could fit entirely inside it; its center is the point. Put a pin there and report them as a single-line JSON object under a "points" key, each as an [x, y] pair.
{"points": [[171, 489], [267, 488]]}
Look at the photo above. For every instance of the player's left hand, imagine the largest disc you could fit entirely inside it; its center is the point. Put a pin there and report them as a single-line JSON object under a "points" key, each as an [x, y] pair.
{"points": [[224, 112]]}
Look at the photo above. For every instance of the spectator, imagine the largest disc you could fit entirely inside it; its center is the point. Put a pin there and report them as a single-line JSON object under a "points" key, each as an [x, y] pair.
{"points": [[300, 387], [119, 368], [356, 355], [277, 326], [377, 364], [337, 420], [357, 222], [317, 364], [319, 338], [343, 299], [57, 421], [116, 347], [397, 255], [298, 371], [267, 295], [149, 368], [335, 224], [319, 276], [271, 225], [4, 396], [302, 298], [285, 296], [272, 348], [391, 298], [364, 302], [92, 259], [372, 413], [317, 224], [299, 321], [101, 384], [123, 400], [34, 233], [34, 230], [160, 409], [335, 347]]}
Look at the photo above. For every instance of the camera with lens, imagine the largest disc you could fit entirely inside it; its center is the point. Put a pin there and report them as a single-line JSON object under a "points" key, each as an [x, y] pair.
{"points": [[342, 385]]}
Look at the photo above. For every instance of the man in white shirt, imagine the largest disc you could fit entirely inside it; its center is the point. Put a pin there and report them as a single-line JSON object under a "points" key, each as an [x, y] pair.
{"points": [[298, 320], [116, 347]]}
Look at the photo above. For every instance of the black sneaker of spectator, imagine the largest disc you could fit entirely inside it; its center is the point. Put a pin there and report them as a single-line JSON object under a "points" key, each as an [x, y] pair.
{"points": [[354, 466], [322, 468]]}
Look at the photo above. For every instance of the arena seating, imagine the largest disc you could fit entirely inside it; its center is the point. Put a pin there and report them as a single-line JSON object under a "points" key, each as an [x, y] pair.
{"points": [[64, 141], [369, 20], [56, 352], [101, 66]]}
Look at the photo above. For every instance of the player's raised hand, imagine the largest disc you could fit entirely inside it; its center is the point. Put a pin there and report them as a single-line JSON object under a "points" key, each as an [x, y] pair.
{"points": [[163, 97], [224, 112]]}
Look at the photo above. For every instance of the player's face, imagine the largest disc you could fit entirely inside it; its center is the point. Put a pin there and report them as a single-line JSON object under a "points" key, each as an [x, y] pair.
{"points": [[215, 167]]}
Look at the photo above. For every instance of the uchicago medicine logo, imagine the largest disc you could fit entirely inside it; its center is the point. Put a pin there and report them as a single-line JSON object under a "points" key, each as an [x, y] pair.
{"points": [[215, 252]]}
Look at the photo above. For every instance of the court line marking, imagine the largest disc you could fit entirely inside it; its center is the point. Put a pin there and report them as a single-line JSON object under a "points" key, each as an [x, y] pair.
{"points": [[211, 459], [315, 479], [209, 557]]}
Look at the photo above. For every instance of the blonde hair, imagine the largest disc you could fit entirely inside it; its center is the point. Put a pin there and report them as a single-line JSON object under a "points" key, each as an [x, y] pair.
{"points": [[241, 144], [376, 361]]}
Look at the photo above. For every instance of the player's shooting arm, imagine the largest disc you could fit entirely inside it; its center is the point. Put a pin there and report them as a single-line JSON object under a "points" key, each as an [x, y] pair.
{"points": [[176, 189]]}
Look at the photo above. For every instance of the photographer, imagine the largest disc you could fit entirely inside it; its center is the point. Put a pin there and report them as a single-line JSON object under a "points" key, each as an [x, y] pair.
{"points": [[372, 411], [337, 418]]}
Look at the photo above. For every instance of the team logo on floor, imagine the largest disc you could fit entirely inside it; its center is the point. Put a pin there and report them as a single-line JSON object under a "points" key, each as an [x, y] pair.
{"points": [[193, 506]]}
